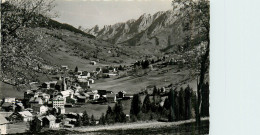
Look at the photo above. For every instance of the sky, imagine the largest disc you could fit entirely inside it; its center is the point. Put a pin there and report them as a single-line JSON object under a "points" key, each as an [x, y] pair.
{"points": [[88, 13]]}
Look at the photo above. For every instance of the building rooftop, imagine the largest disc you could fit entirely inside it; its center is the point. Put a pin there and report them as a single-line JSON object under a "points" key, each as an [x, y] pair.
{"points": [[51, 117], [6, 104], [25, 114]]}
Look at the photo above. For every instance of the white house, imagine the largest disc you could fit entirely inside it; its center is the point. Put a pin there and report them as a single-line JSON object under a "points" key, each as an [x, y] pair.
{"points": [[67, 93], [94, 91], [49, 121], [111, 98], [9, 100], [41, 109], [26, 115], [58, 101], [93, 96], [93, 62], [3, 125], [64, 67], [91, 80], [83, 77]]}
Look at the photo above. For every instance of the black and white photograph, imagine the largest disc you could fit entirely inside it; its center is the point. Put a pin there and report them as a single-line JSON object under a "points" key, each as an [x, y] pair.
{"points": [[112, 67]]}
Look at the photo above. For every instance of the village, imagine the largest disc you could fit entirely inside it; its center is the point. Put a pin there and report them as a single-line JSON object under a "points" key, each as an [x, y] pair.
{"points": [[68, 90], [57, 95]]}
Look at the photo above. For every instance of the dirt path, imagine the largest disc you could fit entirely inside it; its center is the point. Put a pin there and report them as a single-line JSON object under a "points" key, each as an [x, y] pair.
{"points": [[139, 125]]}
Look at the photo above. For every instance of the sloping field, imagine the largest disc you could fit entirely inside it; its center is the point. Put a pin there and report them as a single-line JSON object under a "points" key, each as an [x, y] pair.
{"points": [[97, 109], [7, 90], [133, 84]]}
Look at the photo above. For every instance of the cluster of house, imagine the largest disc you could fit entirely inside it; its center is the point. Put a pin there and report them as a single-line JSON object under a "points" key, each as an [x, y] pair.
{"points": [[85, 76], [55, 96]]}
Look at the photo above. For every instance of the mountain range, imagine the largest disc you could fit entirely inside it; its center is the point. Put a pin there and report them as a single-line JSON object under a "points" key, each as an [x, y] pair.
{"points": [[160, 30]]}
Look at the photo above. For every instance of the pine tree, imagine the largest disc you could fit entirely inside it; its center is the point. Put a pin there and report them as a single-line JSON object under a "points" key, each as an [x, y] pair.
{"points": [[155, 91], [76, 69], [166, 104], [136, 105], [35, 127], [79, 121], [171, 117], [205, 100], [109, 116], [102, 119], [146, 104], [92, 120], [181, 104], [171, 97], [176, 105], [119, 114], [85, 119], [188, 94]]}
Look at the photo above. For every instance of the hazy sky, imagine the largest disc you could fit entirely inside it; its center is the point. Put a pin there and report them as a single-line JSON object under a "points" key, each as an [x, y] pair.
{"points": [[88, 13]]}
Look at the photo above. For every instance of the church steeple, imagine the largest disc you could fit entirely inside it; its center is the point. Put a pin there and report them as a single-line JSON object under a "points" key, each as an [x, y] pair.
{"points": [[64, 84]]}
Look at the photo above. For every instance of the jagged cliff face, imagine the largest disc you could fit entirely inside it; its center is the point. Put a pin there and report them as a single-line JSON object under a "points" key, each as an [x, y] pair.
{"points": [[161, 29]]}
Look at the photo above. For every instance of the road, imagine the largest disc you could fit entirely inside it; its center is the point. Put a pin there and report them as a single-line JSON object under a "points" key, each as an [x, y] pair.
{"points": [[136, 125]]}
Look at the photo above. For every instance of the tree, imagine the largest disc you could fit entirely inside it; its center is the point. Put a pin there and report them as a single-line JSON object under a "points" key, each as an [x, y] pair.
{"points": [[166, 104], [18, 108], [146, 104], [119, 114], [79, 122], [188, 95], [85, 119], [120, 68], [22, 13], [197, 12], [17, 42], [172, 97], [70, 100], [205, 100], [136, 105], [105, 70], [35, 127], [60, 118], [181, 102], [102, 119], [76, 69], [109, 116], [155, 91], [176, 105], [92, 120], [171, 116], [145, 64], [152, 61]]}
